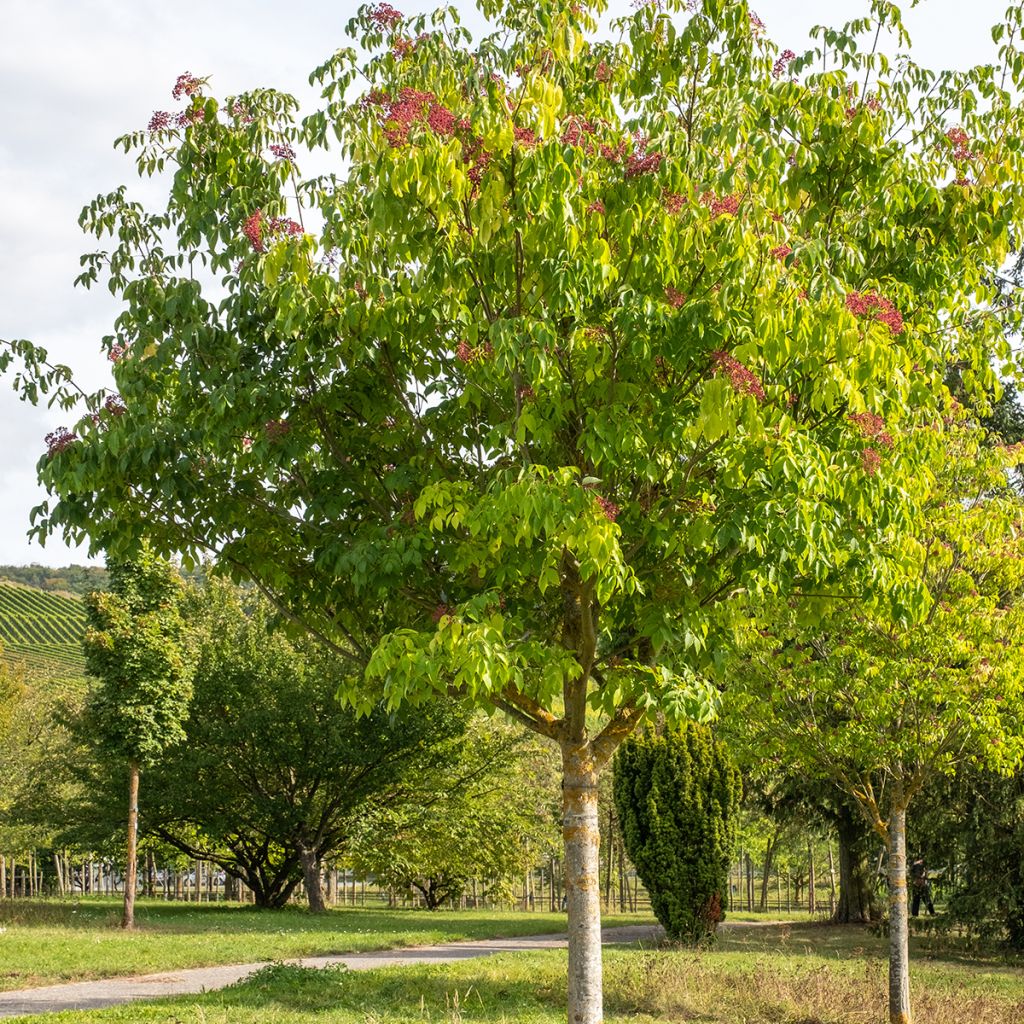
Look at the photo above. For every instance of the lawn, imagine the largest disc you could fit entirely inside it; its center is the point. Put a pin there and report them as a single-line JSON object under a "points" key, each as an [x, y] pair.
{"points": [[788, 974], [42, 942]]}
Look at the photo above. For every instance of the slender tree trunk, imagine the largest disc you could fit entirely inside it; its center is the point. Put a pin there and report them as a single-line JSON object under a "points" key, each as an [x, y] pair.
{"points": [[810, 877], [311, 879], [582, 839], [131, 866], [769, 856], [899, 929], [831, 881]]}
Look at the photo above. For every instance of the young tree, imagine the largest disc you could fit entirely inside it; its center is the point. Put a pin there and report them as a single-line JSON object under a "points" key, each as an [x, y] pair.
{"points": [[570, 360], [879, 702], [677, 795], [134, 646]]}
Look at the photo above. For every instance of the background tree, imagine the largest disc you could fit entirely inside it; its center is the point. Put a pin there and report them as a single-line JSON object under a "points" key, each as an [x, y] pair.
{"points": [[134, 647], [478, 815], [570, 361], [274, 774], [880, 703], [677, 795]]}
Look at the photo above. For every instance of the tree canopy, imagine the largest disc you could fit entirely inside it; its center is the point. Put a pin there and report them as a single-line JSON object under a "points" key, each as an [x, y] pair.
{"points": [[586, 333]]}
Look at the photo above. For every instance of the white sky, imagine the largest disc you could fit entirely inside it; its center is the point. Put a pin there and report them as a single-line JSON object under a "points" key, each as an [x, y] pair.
{"points": [[74, 74]]}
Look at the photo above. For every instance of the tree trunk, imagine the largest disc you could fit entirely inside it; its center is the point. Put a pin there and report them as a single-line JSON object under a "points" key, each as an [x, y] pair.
{"points": [[311, 879], [810, 876], [899, 928], [131, 866], [581, 835], [769, 856], [856, 892]]}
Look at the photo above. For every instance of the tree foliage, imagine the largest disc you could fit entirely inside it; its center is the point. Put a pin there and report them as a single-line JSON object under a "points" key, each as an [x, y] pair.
{"points": [[483, 814], [677, 795], [134, 647]]}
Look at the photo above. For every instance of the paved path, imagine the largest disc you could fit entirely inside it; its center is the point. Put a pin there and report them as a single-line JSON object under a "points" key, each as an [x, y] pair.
{"points": [[92, 995]]}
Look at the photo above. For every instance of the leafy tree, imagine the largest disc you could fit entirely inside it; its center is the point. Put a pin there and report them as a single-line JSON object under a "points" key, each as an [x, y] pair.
{"points": [[274, 774], [677, 795], [571, 360], [134, 646], [476, 816], [879, 703]]}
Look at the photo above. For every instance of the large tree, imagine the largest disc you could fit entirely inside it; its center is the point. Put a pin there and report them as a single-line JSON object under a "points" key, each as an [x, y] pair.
{"points": [[273, 774], [135, 648], [879, 701], [561, 356]]}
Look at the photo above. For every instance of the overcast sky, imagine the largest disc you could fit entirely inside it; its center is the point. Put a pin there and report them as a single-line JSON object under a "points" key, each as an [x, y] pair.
{"points": [[74, 74]]}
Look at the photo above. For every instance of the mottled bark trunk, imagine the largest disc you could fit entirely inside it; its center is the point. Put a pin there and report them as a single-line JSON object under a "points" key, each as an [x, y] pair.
{"points": [[581, 835], [132, 863], [311, 879], [899, 948]]}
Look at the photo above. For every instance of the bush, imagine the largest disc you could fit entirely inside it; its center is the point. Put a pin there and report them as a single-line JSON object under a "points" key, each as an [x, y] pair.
{"points": [[677, 795]]}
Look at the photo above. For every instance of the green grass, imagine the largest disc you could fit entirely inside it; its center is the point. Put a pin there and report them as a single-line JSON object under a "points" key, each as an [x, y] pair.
{"points": [[792, 974], [52, 941], [41, 631]]}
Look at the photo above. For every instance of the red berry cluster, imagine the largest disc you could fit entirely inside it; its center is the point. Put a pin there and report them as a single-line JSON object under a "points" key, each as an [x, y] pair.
{"points": [[870, 460], [603, 72], [526, 137], [608, 508], [440, 612], [780, 252], [871, 425], [283, 151], [253, 230], [720, 205], [756, 24], [745, 381], [285, 226], [465, 353], [186, 85], [673, 201], [384, 16], [115, 405], [675, 298], [59, 440], [575, 130], [596, 207], [874, 306], [402, 47], [961, 144], [241, 112], [117, 352], [524, 393], [784, 60], [276, 429], [640, 162]]}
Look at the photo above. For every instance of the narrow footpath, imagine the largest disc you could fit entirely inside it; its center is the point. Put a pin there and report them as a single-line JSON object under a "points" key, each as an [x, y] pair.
{"points": [[92, 995]]}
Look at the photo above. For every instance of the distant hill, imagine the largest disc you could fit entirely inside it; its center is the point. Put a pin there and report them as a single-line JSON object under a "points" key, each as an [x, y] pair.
{"points": [[42, 630], [71, 579]]}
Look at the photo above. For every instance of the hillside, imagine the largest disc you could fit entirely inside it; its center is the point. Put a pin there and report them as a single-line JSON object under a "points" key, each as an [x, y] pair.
{"points": [[72, 579], [41, 631]]}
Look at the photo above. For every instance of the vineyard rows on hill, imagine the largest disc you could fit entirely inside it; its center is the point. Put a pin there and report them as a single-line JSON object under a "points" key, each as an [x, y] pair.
{"points": [[41, 630]]}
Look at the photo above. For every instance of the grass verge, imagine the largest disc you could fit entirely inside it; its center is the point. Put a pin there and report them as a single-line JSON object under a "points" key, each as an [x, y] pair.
{"points": [[794, 974], [46, 942]]}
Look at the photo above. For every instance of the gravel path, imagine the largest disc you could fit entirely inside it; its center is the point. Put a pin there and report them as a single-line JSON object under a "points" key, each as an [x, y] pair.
{"points": [[91, 995]]}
